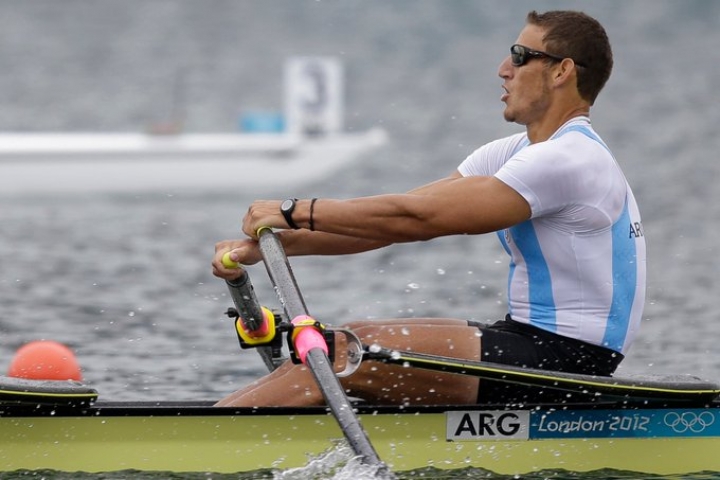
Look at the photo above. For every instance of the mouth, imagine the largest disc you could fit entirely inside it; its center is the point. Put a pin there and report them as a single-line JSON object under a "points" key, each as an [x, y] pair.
{"points": [[505, 94]]}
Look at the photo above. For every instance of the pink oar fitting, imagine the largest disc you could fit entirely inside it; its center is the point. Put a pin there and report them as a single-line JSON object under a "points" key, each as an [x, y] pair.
{"points": [[306, 336]]}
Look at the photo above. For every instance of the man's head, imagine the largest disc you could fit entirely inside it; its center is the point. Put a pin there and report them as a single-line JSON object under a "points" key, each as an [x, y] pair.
{"points": [[580, 37], [556, 69]]}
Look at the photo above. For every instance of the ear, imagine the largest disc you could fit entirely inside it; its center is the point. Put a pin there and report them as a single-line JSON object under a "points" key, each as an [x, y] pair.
{"points": [[564, 72]]}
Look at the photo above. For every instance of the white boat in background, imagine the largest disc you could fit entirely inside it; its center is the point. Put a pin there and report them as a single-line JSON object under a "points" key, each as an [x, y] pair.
{"points": [[55, 163], [305, 144]]}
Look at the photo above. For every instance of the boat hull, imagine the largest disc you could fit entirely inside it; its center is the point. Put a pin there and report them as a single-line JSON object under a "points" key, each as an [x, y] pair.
{"points": [[200, 438]]}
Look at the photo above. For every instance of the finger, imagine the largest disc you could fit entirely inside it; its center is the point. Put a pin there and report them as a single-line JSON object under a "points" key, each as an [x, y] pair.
{"points": [[222, 271], [226, 245]]}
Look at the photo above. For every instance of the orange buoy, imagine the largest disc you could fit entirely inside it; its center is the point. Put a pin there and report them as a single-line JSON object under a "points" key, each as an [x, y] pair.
{"points": [[45, 360]]}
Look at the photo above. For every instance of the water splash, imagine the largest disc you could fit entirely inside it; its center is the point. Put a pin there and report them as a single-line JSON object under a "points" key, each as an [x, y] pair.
{"points": [[337, 463]]}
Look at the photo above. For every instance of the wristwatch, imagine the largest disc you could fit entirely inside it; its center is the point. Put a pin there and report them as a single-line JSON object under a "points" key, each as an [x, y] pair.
{"points": [[286, 208]]}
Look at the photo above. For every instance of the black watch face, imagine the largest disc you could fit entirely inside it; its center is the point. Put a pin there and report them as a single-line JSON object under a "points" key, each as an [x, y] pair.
{"points": [[286, 205]]}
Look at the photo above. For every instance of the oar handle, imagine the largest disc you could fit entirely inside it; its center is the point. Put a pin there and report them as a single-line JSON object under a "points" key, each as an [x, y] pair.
{"points": [[246, 302]]}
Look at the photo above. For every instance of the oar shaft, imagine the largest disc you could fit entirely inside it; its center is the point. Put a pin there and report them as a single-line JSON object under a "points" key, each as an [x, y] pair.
{"points": [[281, 274], [341, 407], [316, 359]]}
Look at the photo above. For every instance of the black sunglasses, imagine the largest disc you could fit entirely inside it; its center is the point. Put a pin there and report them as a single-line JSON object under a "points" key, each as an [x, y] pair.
{"points": [[520, 55]]}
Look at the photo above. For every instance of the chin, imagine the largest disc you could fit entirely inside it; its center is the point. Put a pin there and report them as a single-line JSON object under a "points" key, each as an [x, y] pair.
{"points": [[513, 117]]}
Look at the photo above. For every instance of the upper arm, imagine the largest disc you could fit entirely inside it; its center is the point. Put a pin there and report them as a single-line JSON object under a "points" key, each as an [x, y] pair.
{"points": [[476, 204], [450, 206], [429, 186]]}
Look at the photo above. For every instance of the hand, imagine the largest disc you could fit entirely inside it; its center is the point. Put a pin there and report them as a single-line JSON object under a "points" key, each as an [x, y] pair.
{"points": [[263, 213], [243, 252]]}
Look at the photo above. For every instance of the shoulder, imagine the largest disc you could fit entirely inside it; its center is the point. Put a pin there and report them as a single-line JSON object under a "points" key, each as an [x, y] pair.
{"points": [[570, 169], [489, 158], [571, 152]]}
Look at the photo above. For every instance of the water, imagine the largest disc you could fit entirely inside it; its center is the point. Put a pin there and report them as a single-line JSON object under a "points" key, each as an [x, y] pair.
{"points": [[352, 474], [125, 280]]}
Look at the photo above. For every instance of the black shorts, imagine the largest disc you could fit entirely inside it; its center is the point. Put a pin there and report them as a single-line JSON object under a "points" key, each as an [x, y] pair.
{"points": [[519, 344]]}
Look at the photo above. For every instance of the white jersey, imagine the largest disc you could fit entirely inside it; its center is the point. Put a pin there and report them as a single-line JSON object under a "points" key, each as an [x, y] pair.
{"points": [[577, 267]]}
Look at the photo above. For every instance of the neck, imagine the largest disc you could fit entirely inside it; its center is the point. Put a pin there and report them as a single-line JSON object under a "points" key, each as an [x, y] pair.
{"points": [[543, 130]]}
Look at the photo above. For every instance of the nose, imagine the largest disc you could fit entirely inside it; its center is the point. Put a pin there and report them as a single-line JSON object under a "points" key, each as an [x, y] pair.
{"points": [[505, 68]]}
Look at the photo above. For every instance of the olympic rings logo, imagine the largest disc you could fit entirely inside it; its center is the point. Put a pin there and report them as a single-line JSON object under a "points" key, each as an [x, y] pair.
{"points": [[689, 421]]}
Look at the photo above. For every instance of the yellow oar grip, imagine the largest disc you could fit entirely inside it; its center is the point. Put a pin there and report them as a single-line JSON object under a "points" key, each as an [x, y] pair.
{"points": [[228, 263], [260, 230]]}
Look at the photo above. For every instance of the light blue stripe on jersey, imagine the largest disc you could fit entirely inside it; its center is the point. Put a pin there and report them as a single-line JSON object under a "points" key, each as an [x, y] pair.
{"points": [[587, 132], [511, 270], [540, 294], [624, 270], [539, 282]]}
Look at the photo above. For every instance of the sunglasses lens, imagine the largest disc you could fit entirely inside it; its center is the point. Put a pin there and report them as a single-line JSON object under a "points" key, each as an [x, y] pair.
{"points": [[517, 55]]}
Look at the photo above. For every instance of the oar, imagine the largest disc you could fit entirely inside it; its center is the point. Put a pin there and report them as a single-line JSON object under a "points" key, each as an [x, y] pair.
{"points": [[312, 350], [686, 389]]}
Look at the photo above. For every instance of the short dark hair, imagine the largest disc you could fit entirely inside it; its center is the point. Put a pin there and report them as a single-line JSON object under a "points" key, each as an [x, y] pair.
{"points": [[578, 36]]}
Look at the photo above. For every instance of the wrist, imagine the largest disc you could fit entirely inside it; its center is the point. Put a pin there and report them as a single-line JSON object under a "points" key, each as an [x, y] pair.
{"points": [[298, 213], [287, 208]]}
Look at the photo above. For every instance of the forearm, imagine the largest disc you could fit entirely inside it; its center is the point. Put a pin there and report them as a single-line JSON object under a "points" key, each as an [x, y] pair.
{"points": [[383, 219], [295, 243], [305, 242], [451, 206]]}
